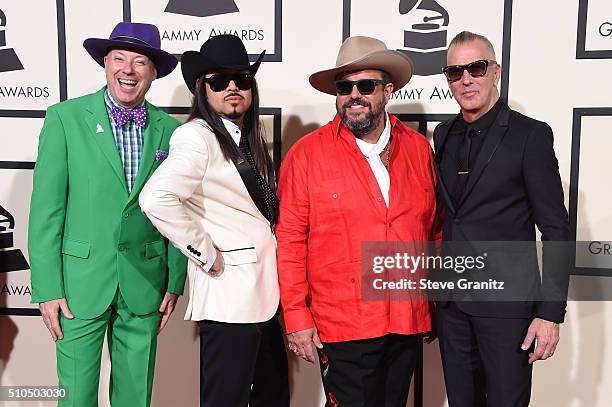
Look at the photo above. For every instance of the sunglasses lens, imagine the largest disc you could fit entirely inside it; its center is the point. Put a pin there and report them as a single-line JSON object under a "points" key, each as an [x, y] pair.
{"points": [[477, 68], [218, 82], [453, 73], [244, 81], [366, 86], [344, 87]]}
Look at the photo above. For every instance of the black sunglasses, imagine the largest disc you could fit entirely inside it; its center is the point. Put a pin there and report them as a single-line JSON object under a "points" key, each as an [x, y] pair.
{"points": [[475, 69], [364, 86], [219, 81]]}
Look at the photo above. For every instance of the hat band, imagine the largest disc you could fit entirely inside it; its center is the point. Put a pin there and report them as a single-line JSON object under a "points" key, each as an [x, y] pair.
{"points": [[131, 39]]}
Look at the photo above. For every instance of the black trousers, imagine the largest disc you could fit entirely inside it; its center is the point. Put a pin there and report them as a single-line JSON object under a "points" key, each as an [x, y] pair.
{"points": [[482, 359], [243, 364], [370, 372]]}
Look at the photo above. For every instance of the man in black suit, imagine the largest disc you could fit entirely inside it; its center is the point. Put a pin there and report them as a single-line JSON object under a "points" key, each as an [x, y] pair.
{"points": [[499, 178]]}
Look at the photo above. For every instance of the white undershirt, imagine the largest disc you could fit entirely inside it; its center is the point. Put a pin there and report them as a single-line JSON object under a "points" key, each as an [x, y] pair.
{"points": [[372, 154]]}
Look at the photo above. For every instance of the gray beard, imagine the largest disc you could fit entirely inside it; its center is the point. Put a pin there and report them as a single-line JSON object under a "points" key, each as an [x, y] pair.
{"points": [[364, 126]]}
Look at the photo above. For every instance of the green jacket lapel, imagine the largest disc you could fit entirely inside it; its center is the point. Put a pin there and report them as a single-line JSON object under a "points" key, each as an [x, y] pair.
{"points": [[101, 131], [152, 140]]}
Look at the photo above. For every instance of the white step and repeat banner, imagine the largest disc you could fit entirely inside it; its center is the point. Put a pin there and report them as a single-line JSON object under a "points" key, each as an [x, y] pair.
{"points": [[556, 59]]}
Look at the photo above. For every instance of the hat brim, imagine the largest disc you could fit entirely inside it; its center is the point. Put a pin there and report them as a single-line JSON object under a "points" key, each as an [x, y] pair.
{"points": [[98, 48], [395, 63], [194, 64]]}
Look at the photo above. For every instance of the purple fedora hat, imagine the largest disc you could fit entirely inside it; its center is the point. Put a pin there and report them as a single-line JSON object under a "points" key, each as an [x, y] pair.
{"points": [[138, 37]]}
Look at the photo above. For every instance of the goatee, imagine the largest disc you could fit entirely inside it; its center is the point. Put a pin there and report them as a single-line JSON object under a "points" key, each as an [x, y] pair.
{"points": [[233, 115]]}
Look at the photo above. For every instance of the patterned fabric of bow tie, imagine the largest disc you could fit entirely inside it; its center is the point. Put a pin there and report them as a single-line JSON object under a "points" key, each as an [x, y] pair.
{"points": [[138, 115]]}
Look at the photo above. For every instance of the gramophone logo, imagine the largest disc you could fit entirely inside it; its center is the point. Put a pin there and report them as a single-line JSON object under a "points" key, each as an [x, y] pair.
{"points": [[9, 61], [201, 8], [426, 41], [11, 259]]}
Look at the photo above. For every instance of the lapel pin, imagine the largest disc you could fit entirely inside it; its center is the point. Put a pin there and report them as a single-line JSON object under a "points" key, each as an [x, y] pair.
{"points": [[99, 128]]}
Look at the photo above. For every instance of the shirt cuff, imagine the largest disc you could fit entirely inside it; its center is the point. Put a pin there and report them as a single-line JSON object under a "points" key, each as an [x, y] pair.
{"points": [[212, 256], [298, 320]]}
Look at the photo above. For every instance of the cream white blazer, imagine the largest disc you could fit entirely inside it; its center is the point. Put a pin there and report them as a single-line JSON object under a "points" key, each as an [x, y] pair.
{"points": [[197, 199]]}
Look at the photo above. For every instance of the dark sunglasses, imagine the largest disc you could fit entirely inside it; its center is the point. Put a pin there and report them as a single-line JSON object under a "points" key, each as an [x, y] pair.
{"points": [[364, 86], [219, 81], [475, 69]]}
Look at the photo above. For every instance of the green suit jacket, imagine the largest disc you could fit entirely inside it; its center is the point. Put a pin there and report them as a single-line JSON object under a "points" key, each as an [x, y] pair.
{"points": [[87, 234]]}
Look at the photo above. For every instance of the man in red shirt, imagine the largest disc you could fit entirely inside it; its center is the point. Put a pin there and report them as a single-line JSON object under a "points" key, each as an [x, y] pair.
{"points": [[364, 176]]}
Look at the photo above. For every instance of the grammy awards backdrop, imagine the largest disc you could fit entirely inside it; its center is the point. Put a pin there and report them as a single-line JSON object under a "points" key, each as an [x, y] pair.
{"points": [[556, 59]]}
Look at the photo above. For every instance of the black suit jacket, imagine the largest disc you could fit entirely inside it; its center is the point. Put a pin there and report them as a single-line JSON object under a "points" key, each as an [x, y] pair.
{"points": [[514, 186]]}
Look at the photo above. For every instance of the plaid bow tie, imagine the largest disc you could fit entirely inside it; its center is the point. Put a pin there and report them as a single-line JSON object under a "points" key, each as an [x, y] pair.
{"points": [[138, 115]]}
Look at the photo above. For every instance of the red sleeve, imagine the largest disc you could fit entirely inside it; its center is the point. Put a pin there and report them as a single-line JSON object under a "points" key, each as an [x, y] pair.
{"points": [[292, 236], [436, 227]]}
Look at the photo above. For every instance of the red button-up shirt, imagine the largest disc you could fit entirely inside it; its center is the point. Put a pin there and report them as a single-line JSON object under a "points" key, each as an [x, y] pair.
{"points": [[330, 202]]}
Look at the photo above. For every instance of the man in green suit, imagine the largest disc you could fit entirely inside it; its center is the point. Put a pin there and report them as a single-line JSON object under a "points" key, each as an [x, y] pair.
{"points": [[98, 265]]}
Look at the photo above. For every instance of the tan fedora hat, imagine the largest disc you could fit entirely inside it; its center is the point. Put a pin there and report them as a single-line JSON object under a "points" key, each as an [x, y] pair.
{"points": [[360, 52]]}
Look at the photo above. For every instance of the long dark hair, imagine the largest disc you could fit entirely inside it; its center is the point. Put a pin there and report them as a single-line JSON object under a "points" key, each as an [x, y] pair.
{"points": [[200, 109]]}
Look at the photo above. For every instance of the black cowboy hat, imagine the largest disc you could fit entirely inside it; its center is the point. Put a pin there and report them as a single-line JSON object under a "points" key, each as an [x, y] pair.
{"points": [[217, 53]]}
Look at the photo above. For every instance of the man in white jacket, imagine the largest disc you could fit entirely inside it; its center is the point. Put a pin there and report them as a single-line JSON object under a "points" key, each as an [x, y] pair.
{"points": [[214, 199]]}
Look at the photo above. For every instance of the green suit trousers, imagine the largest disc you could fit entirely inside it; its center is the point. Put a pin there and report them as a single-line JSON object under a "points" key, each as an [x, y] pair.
{"points": [[132, 343]]}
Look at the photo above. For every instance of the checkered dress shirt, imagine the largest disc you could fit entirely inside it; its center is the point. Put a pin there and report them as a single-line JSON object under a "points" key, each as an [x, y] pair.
{"points": [[129, 139]]}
